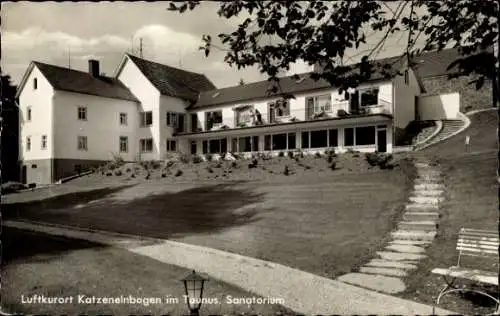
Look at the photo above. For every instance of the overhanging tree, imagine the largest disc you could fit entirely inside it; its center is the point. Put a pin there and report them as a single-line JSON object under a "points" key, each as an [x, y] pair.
{"points": [[322, 32]]}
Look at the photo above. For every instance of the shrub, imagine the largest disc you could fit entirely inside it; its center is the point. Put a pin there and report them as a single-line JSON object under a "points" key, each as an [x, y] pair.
{"points": [[128, 170], [317, 154], [31, 185], [209, 157], [218, 164], [163, 174], [281, 154], [236, 155], [300, 153], [185, 158], [148, 176], [306, 167], [290, 154], [286, 172], [12, 187], [253, 164], [109, 174], [170, 163], [234, 164], [118, 173], [333, 165], [209, 169], [378, 159], [178, 173], [197, 159], [132, 175]]}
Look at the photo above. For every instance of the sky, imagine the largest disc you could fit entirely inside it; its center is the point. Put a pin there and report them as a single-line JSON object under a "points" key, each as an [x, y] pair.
{"points": [[70, 33]]}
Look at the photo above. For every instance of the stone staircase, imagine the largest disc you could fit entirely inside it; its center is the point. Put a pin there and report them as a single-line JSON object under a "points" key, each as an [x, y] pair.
{"points": [[415, 232], [449, 127]]}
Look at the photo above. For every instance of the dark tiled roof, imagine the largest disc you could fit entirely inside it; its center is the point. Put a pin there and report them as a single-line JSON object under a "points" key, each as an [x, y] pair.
{"points": [[173, 81], [82, 82], [433, 64], [288, 85]]}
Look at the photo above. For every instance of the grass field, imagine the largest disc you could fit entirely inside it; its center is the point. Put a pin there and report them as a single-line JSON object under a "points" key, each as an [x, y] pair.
{"points": [[56, 266], [328, 224], [473, 203]]}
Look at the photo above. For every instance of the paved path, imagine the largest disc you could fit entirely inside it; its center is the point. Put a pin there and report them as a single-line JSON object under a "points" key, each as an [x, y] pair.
{"points": [[416, 231], [302, 292]]}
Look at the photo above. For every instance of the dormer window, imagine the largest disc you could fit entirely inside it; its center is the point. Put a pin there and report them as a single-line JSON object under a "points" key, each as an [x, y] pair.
{"points": [[35, 83]]}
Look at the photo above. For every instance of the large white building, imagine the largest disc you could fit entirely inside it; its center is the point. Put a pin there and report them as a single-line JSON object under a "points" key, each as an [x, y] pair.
{"points": [[71, 120]]}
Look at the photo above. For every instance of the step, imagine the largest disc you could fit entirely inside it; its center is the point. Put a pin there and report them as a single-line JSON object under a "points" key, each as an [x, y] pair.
{"points": [[418, 225], [383, 271], [426, 199], [429, 178], [414, 235], [429, 186], [426, 192], [429, 172], [427, 181], [419, 207], [400, 256], [421, 216], [380, 263]]}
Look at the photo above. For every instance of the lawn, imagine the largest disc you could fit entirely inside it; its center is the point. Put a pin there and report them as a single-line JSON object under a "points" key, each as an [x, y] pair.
{"points": [[326, 223], [57, 266], [473, 203]]}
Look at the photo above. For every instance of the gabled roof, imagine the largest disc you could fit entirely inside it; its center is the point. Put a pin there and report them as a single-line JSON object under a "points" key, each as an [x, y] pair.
{"points": [[71, 80], [288, 85], [172, 81], [434, 64]]}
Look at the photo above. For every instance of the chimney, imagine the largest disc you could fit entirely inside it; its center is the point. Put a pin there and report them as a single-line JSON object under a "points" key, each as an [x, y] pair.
{"points": [[94, 67]]}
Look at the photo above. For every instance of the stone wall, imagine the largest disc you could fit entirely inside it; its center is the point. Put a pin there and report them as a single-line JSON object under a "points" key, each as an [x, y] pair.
{"points": [[470, 98]]}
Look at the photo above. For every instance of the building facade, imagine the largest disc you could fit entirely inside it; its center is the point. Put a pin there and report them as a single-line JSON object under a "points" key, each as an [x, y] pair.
{"points": [[71, 120]]}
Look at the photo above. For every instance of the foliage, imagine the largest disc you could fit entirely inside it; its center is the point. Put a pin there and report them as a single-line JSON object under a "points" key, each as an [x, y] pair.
{"points": [[274, 34], [185, 158], [286, 172], [178, 173], [12, 187], [378, 159], [253, 164], [118, 173], [197, 159], [281, 154]]}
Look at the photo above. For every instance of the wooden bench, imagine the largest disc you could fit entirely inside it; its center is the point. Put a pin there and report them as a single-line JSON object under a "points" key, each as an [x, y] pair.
{"points": [[482, 244]]}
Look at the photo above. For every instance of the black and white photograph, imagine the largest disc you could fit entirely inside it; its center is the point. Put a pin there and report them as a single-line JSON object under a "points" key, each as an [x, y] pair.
{"points": [[250, 158]]}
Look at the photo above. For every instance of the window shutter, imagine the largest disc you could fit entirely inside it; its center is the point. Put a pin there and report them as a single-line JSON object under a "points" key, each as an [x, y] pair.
{"points": [[270, 112], [168, 119], [309, 107]]}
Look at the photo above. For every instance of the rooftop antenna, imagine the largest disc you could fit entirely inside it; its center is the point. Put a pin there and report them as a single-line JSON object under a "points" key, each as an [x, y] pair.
{"points": [[140, 47], [132, 44], [69, 57], [180, 57]]}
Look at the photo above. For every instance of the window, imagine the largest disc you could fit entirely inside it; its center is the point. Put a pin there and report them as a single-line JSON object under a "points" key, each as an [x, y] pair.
{"points": [[205, 147], [407, 77], [320, 103], [291, 140], [215, 146], [146, 118], [369, 97], [245, 144], [212, 119], [35, 83], [244, 115], [305, 139], [146, 145], [44, 141], [171, 145], [349, 137], [123, 144], [34, 166], [333, 138], [194, 122], [28, 143], [318, 139], [255, 143], [82, 142], [123, 118], [28, 114], [267, 142], [279, 108], [365, 135], [172, 119], [82, 113]]}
